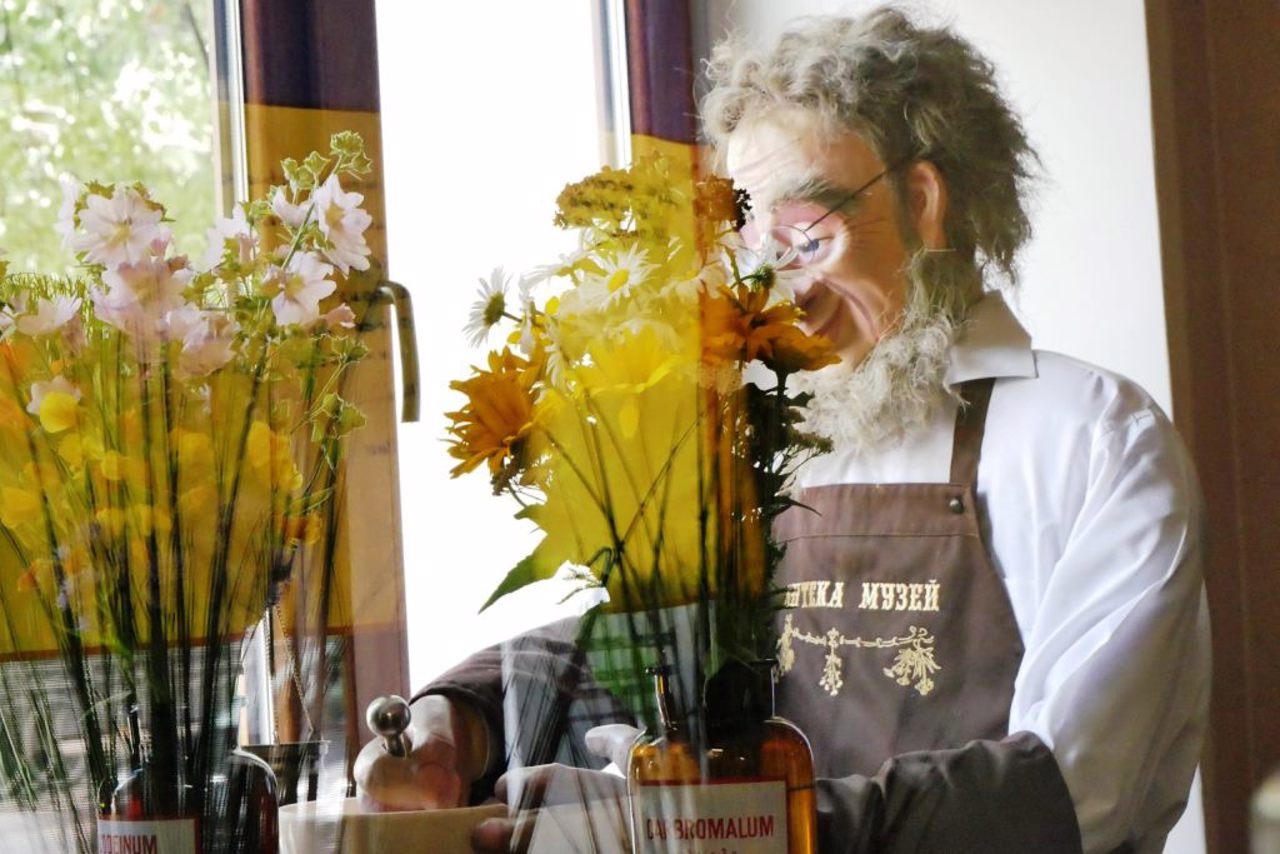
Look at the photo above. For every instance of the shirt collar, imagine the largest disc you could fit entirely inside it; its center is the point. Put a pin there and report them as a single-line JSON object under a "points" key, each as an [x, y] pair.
{"points": [[992, 343]]}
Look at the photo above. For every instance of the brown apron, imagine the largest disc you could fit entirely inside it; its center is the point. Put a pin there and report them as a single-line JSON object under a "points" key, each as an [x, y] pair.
{"points": [[898, 635]]}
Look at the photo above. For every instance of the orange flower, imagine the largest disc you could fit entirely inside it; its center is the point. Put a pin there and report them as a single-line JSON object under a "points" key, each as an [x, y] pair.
{"points": [[716, 199], [737, 325], [793, 350], [498, 416]]}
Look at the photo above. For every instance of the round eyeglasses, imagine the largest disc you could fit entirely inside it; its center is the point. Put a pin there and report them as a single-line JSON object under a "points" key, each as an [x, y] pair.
{"points": [[787, 247]]}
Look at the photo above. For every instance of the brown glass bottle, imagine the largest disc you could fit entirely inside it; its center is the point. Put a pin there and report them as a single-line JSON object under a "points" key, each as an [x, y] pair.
{"points": [[148, 812], [152, 812], [747, 788]]}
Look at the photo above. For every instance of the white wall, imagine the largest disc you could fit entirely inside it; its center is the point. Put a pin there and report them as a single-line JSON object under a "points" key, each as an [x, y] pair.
{"points": [[1077, 72]]}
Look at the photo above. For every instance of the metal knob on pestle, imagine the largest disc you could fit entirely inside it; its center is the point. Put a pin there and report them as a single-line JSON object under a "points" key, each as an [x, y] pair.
{"points": [[389, 717]]}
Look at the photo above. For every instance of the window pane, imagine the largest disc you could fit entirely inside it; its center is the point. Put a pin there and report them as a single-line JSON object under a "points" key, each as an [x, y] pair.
{"points": [[484, 121], [110, 90]]}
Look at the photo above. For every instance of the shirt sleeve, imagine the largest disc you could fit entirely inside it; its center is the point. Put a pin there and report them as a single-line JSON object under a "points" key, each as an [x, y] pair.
{"points": [[998, 797], [538, 697], [1115, 675]]}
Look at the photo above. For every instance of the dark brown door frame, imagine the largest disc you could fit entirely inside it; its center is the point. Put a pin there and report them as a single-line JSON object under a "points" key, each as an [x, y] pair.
{"points": [[1215, 86]]}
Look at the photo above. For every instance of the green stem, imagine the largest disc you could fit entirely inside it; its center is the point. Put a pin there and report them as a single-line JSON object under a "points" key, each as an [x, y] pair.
{"points": [[165, 758], [217, 594]]}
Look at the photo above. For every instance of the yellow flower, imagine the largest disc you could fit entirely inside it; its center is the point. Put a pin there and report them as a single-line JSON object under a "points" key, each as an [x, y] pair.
{"points": [[111, 520], [794, 350], [314, 529], [271, 457], [57, 412], [71, 450], [195, 453], [145, 516], [112, 466], [498, 415], [307, 529], [18, 506], [627, 369], [42, 477], [624, 475], [198, 499], [91, 445]]}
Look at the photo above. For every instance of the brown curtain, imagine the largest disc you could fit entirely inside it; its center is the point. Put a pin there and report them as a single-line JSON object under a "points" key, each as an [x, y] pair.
{"points": [[310, 70], [1215, 86]]}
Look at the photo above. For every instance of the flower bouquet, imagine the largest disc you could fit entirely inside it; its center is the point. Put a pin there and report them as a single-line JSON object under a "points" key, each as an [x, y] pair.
{"points": [[639, 414], [170, 444]]}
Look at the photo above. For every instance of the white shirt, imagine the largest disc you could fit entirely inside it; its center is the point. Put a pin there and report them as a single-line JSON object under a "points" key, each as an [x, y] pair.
{"points": [[1091, 513]]}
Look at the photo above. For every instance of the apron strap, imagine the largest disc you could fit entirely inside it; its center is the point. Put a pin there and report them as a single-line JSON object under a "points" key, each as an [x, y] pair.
{"points": [[971, 420]]}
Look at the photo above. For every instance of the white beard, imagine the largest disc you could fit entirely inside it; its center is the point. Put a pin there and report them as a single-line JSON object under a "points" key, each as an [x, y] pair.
{"points": [[892, 392]]}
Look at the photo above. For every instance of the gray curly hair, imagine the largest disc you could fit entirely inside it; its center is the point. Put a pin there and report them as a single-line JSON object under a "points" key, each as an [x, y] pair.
{"points": [[911, 93]]}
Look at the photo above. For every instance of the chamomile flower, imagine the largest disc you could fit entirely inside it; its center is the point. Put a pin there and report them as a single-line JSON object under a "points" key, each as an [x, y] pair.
{"points": [[526, 335], [624, 271], [489, 307], [770, 265]]}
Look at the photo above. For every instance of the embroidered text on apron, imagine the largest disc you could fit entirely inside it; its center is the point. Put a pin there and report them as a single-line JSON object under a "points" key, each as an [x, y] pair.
{"points": [[898, 634]]}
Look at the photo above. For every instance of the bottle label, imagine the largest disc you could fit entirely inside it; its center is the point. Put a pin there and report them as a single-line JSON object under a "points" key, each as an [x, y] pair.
{"points": [[710, 818], [165, 836]]}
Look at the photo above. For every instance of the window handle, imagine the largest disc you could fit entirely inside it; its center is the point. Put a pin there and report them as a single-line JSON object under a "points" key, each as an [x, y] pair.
{"points": [[397, 296]]}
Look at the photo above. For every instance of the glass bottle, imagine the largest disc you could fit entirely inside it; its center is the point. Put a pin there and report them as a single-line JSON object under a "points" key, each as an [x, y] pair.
{"points": [[748, 788], [247, 807], [148, 811]]}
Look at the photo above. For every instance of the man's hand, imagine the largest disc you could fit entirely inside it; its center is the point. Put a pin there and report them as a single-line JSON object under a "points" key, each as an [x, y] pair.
{"points": [[448, 751], [555, 807]]}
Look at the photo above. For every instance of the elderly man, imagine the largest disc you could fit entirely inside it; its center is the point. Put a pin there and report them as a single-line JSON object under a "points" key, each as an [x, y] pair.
{"points": [[1023, 524]]}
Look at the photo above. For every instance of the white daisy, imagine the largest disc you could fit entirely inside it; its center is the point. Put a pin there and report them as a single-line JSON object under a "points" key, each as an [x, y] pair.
{"points": [[528, 312], [488, 309], [627, 270], [771, 264]]}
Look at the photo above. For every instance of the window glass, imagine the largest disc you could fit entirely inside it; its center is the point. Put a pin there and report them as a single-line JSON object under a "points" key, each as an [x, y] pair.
{"points": [[110, 90], [486, 116]]}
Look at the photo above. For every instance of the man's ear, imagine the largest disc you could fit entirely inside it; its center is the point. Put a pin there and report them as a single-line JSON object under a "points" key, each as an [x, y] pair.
{"points": [[927, 201]]}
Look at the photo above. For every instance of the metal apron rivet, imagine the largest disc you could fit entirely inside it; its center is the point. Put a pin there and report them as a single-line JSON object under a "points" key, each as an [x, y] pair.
{"points": [[956, 505]]}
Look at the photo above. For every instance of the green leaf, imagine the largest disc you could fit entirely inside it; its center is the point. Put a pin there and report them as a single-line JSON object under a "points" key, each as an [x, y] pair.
{"points": [[315, 164], [521, 575], [346, 142]]}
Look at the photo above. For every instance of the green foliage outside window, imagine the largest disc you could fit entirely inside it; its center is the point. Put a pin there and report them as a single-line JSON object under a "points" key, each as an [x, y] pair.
{"points": [[111, 90]]}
